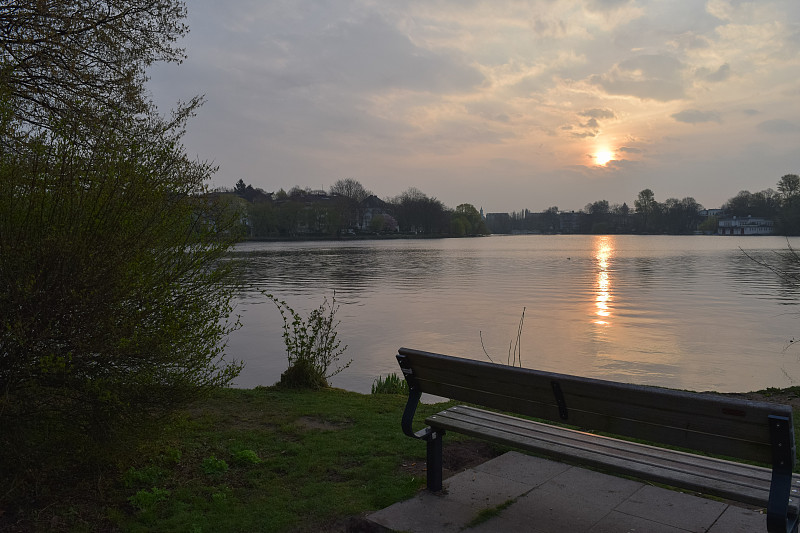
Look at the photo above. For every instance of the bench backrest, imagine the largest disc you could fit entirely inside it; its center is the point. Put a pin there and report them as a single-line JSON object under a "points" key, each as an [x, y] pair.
{"points": [[706, 422]]}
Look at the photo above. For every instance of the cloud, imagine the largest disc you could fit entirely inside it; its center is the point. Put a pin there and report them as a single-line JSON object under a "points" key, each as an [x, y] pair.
{"points": [[690, 41], [598, 113], [549, 28], [605, 5], [370, 54], [721, 74], [629, 150], [591, 127], [648, 77], [489, 111], [591, 123], [622, 164], [695, 116], [779, 125]]}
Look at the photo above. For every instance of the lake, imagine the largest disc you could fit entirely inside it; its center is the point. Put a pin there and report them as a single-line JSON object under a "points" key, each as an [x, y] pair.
{"points": [[689, 312]]}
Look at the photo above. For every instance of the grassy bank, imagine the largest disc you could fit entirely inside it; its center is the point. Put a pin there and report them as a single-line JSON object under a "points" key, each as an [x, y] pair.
{"points": [[250, 460], [260, 460]]}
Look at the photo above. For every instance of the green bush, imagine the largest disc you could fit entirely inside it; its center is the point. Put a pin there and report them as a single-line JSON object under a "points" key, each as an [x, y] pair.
{"points": [[114, 290], [212, 466], [147, 475], [312, 346], [246, 457], [146, 500], [391, 384]]}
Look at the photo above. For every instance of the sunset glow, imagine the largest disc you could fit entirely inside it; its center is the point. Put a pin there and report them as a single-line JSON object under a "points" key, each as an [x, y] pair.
{"points": [[604, 249], [602, 157], [504, 105]]}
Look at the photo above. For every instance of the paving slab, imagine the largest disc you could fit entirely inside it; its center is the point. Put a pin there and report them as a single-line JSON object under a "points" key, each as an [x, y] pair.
{"points": [[425, 513], [482, 490], [536, 495], [673, 508], [523, 468], [616, 522], [574, 500], [739, 520]]}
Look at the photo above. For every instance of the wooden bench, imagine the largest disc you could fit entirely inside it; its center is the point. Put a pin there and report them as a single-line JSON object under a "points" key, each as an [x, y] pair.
{"points": [[735, 428]]}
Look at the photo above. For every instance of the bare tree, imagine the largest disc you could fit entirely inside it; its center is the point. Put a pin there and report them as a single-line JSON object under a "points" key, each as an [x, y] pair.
{"points": [[84, 61], [350, 188], [352, 193]]}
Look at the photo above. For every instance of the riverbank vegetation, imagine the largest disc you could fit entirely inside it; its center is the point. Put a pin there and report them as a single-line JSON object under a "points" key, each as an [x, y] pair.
{"points": [[312, 346], [114, 298]]}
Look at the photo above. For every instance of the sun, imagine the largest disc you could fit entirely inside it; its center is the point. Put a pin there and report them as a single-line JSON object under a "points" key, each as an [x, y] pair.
{"points": [[601, 157]]}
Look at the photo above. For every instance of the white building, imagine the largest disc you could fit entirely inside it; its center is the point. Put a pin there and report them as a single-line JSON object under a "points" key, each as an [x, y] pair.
{"points": [[745, 226]]}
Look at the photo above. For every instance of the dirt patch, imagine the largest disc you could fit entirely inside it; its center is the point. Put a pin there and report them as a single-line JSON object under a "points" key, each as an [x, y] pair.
{"points": [[353, 524], [787, 397], [457, 456], [461, 455], [310, 422]]}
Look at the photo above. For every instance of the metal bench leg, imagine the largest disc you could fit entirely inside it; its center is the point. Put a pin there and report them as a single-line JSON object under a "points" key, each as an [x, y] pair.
{"points": [[434, 458], [783, 454]]}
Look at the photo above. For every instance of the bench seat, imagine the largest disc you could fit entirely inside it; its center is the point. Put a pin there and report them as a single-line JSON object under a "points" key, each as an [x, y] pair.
{"points": [[717, 477]]}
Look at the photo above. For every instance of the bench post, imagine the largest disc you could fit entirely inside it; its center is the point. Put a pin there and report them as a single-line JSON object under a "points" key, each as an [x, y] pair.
{"points": [[434, 460], [432, 437], [783, 458]]}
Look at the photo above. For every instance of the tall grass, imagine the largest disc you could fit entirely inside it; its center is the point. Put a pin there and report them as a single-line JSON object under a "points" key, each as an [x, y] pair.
{"points": [[514, 345], [391, 384]]}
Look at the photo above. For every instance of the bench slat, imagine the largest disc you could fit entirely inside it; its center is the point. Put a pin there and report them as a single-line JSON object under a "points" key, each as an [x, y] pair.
{"points": [[708, 475]]}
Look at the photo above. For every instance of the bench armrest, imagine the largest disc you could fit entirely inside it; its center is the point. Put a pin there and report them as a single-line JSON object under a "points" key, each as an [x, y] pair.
{"points": [[414, 394]]}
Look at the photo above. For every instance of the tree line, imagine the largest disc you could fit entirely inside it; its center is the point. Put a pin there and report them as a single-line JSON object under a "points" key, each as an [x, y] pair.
{"points": [[673, 216], [347, 208]]}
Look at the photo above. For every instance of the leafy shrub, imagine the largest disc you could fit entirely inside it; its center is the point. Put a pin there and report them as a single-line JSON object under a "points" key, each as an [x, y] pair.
{"points": [[221, 496], [147, 475], [246, 457], [312, 346], [114, 294], [391, 384], [145, 500], [214, 467], [171, 456], [303, 374]]}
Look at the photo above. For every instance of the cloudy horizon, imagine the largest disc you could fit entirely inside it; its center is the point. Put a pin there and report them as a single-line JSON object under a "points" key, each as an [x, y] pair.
{"points": [[504, 105]]}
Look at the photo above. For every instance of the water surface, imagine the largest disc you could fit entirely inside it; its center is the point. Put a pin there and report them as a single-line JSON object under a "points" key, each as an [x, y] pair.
{"points": [[689, 312]]}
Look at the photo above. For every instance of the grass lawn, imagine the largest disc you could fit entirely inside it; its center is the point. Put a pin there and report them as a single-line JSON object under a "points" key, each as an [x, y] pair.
{"points": [[251, 460], [265, 459]]}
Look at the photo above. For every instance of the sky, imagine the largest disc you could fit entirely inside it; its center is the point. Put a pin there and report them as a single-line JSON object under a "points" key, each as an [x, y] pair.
{"points": [[506, 105]]}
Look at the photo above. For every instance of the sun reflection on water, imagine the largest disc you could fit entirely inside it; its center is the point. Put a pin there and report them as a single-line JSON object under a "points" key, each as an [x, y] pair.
{"points": [[604, 249]]}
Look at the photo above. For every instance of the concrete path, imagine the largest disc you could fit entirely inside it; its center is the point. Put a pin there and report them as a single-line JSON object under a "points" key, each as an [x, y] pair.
{"points": [[517, 492]]}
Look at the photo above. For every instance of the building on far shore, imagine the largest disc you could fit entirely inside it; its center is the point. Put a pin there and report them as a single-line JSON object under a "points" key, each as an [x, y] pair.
{"points": [[498, 222], [745, 226]]}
